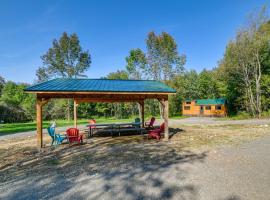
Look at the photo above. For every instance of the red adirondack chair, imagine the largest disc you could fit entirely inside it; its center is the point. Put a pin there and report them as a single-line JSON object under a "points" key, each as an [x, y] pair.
{"points": [[156, 133], [150, 124], [91, 127], [73, 135], [92, 121]]}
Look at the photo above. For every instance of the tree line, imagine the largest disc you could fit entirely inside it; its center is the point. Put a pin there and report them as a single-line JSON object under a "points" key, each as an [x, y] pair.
{"points": [[242, 76]]}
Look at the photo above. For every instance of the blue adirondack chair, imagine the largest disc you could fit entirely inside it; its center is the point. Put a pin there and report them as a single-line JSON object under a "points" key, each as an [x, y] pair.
{"points": [[137, 120], [56, 138]]}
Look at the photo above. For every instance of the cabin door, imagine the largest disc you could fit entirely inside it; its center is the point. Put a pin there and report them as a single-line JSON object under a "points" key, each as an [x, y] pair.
{"points": [[201, 110]]}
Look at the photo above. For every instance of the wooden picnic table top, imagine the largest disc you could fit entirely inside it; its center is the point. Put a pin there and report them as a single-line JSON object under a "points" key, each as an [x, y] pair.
{"points": [[116, 124]]}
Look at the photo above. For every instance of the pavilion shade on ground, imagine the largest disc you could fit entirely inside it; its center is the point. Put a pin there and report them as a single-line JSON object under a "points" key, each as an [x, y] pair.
{"points": [[205, 107], [100, 90]]}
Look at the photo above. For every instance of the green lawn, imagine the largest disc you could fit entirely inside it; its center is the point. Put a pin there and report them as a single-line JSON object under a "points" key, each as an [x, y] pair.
{"points": [[30, 126]]}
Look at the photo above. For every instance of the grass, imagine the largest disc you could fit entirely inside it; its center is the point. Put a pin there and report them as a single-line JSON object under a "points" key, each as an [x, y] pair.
{"points": [[31, 126]]}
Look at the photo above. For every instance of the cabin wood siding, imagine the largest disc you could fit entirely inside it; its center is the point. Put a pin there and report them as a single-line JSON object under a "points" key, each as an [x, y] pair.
{"points": [[195, 110]]}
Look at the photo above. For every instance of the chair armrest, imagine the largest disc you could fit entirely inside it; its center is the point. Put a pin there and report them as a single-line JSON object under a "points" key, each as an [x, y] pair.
{"points": [[61, 135], [73, 136]]}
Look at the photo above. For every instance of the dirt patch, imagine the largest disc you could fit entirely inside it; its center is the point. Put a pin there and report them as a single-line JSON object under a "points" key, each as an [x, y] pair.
{"points": [[19, 157]]}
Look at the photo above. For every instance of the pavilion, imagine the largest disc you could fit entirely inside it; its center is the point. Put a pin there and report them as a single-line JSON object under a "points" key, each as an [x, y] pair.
{"points": [[100, 90]]}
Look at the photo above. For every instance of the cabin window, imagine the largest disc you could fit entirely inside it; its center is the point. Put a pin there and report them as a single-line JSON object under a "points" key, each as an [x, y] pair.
{"points": [[188, 102], [187, 107], [207, 107], [218, 107]]}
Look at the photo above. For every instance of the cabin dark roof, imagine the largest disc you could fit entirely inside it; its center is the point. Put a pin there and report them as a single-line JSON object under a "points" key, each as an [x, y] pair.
{"points": [[101, 85]]}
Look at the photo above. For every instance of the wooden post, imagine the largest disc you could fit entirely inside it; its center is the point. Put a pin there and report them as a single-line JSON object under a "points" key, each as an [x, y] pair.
{"points": [[166, 119], [39, 124], [39, 105], [142, 112], [75, 113]]}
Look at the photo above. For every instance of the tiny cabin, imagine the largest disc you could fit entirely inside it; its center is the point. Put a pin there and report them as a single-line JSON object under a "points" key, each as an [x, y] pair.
{"points": [[205, 107]]}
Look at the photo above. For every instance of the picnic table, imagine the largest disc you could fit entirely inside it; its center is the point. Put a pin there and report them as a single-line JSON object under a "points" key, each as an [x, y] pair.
{"points": [[116, 127]]}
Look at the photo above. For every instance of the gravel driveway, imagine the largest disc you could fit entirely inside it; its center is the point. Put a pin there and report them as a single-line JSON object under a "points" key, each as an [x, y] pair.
{"points": [[218, 121]]}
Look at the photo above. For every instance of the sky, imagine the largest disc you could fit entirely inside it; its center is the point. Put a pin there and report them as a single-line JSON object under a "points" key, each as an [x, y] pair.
{"points": [[110, 29]]}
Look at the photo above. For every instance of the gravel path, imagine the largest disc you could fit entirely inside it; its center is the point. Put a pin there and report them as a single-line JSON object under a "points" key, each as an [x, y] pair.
{"points": [[31, 133], [218, 121]]}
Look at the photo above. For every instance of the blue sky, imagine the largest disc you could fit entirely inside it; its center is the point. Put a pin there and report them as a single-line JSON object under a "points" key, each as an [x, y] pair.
{"points": [[109, 29]]}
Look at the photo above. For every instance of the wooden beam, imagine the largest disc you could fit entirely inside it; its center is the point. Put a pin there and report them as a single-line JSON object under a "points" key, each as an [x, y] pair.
{"points": [[40, 103], [75, 113], [111, 97], [91, 100]]}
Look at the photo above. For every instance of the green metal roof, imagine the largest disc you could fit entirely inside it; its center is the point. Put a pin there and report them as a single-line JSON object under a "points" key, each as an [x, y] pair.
{"points": [[211, 101], [100, 85]]}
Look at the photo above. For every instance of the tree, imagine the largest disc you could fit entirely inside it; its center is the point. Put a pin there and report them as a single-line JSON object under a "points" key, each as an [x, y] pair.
{"points": [[244, 59], [64, 59], [162, 56], [16, 104], [136, 64], [2, 83], [207, 85], [119, 74]]}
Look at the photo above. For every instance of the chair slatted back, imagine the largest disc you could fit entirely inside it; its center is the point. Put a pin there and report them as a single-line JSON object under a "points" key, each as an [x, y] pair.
{"points": [[152, 121], [162, 127], [51, 131], [72, 132]]}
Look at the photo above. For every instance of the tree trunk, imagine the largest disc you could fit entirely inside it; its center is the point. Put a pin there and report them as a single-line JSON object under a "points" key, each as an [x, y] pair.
{"points": [[139, 108], [258, 84]]}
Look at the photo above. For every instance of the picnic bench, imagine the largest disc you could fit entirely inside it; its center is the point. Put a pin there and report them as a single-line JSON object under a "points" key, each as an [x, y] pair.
{"points": [[116, 128]]}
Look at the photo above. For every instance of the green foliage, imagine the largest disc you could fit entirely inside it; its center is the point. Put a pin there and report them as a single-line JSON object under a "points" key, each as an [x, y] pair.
{"points": [[119, 74], [16, 105], [207, 85], [2, 83]]}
